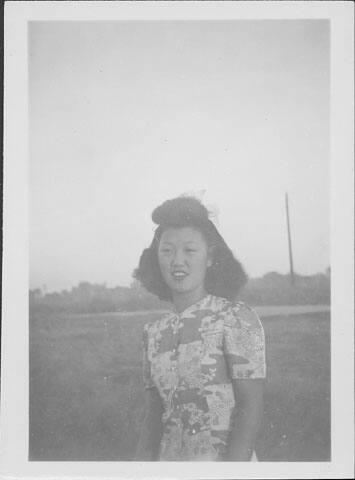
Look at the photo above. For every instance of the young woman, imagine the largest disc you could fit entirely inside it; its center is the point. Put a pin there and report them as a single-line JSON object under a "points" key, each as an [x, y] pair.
{"points": [[203, 363]]}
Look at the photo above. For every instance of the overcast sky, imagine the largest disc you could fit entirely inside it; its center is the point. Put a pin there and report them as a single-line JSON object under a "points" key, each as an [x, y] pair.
{"points": [[124, 115]]}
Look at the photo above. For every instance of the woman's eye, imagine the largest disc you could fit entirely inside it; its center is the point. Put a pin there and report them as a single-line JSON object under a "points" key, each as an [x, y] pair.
{"points": [[190, 250], [165, 250]]}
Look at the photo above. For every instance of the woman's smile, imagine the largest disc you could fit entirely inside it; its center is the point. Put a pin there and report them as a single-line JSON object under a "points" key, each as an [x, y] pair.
{"points": [[179, 275]]}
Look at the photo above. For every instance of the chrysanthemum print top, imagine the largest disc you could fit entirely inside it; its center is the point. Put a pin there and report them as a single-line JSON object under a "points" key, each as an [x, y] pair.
{"points": [[191, 358]]}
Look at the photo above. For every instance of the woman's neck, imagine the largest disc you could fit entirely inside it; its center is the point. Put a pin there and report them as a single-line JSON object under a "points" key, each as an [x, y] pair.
{"points": [[183, 300]]}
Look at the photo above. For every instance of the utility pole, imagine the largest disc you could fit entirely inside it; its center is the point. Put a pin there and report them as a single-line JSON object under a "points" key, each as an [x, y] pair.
{"points": [[292, 277]]}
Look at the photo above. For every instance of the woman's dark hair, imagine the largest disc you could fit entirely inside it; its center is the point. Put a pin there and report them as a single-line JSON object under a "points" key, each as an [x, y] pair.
{"points": [[226, 275]]}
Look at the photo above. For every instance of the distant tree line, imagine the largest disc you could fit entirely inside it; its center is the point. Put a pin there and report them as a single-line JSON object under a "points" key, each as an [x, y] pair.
{"points": [[276, 289], [271, 289], [94, 298]]}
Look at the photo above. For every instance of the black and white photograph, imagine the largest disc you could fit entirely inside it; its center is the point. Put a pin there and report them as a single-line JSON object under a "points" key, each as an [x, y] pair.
{"points": [[178, 257]]}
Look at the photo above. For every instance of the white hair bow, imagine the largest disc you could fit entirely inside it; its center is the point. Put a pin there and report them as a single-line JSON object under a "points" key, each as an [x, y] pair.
{"points": [[212, 208]]}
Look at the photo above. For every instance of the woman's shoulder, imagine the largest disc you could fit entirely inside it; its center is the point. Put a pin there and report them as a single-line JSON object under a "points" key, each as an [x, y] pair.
{"points": [[238, 313]]}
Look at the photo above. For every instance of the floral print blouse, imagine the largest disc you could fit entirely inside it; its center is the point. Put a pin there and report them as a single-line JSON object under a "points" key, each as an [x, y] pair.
{"points": [[191, 358]]}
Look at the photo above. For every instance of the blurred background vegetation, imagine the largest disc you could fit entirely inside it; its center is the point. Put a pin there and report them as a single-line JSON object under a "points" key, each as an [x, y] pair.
{"points": [[271, 289]]}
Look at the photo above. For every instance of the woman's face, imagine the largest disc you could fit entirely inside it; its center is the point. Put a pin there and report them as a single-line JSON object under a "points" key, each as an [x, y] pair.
{"points": [[184, 257]]}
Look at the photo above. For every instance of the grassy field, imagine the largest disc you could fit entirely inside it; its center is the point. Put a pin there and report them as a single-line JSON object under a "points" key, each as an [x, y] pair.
{"points": [[86, 393]]}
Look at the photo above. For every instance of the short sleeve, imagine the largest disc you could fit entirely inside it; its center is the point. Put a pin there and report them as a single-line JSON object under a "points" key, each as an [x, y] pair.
{"points": [[147, 379], [244, 343]]}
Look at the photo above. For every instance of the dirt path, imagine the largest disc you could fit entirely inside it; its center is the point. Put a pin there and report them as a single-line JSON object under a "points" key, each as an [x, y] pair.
{"points": [[267, 311], [263, 311]]}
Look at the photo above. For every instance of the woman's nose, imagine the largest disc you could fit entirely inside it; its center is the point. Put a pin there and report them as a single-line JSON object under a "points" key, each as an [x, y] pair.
{"points": [[178, 259]]}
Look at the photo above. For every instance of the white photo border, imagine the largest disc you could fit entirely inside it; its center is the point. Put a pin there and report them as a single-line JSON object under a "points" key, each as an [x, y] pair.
{"points": [[15, 351]]}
